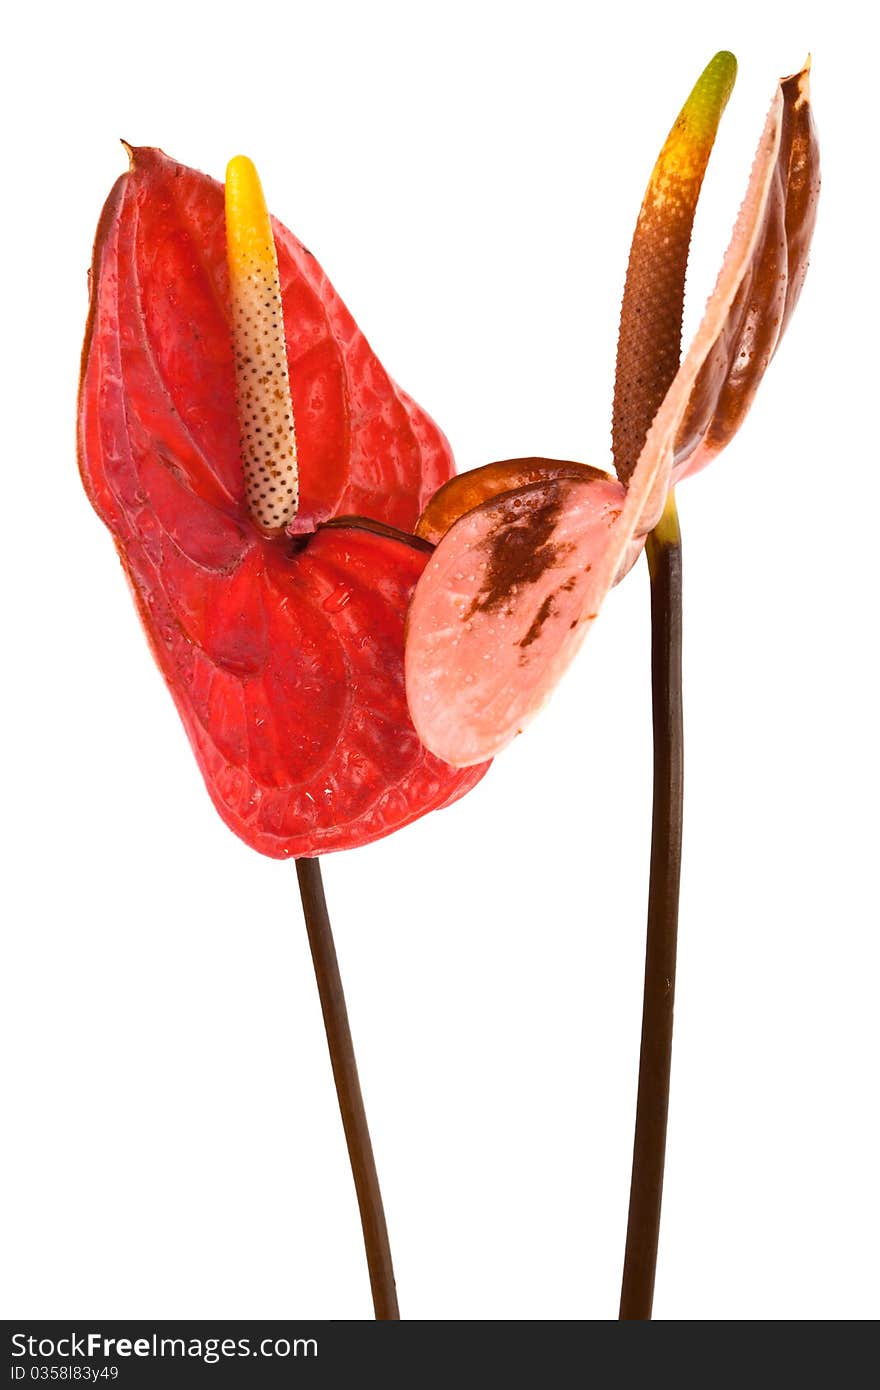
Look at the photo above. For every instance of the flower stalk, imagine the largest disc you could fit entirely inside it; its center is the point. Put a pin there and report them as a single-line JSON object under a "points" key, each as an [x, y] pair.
{"points": [[655, 1059], [348, 1090]]}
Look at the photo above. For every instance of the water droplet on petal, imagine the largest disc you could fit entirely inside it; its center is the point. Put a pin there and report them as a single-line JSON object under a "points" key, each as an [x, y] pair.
{"points": [[336, 601]]}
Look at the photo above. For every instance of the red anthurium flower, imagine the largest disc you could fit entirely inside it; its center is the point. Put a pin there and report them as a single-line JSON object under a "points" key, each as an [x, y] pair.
{"points": [[279, 631], [528, 550]]}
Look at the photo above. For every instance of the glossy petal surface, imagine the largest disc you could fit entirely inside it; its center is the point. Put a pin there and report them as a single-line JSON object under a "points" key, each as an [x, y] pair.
{"points": [[503, 605], [468, 490], [284, 656]]}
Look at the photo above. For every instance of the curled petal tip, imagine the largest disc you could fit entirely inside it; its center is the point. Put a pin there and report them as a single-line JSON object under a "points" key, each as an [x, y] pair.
{"points": [[801, 81], [141, 157], [760, 281]]}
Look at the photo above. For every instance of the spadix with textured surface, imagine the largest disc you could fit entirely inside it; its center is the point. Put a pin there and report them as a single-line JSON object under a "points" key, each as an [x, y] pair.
{"points": [[262, 384]]}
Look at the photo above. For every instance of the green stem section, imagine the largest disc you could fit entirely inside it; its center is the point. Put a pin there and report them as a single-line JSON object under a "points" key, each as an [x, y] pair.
{"points": [[655, 1060], [348, 1090]]}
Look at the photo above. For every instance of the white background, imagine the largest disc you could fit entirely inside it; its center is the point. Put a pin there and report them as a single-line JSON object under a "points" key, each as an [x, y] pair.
{"points": [[469, 176]]}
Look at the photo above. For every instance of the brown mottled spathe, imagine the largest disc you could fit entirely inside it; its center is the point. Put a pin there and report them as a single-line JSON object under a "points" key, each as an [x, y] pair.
{"points": [[519, 551]]}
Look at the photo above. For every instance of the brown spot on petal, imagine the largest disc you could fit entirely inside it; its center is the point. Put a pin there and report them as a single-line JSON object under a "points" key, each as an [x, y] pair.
{"points": [[520, 549], [547, 609], [538, 622]]}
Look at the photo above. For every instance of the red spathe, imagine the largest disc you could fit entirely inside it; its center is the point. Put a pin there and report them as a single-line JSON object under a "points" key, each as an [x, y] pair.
{"points": [[284, 655]]}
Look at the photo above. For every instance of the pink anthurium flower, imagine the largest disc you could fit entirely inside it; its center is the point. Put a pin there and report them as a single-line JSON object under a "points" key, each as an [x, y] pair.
{"points": [[527, 550]]}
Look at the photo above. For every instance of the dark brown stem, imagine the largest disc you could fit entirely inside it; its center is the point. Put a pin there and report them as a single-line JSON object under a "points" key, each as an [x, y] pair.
{"points": [[378, 528], [652, 1105], [348, 1090]]}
